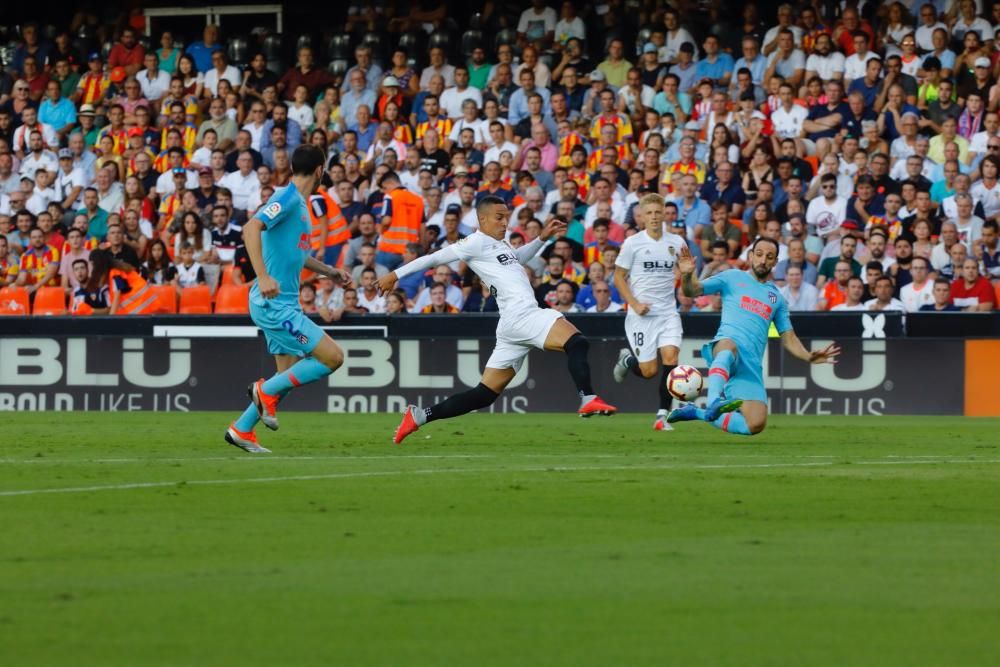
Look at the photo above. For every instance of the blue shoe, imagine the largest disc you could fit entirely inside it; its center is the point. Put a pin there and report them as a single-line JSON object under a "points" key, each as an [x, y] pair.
{"points": [[685, 413], [721, 406]]}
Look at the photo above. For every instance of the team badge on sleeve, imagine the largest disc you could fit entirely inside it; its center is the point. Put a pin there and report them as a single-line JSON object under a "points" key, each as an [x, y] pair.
{"points": [[272, 210], [772, 297]]}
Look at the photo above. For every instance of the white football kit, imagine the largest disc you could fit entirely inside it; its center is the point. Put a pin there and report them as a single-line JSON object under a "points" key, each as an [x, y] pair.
{"points": [[650, 265], [523, 325]]}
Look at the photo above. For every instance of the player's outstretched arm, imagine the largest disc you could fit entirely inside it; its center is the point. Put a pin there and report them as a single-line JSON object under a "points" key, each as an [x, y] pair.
{"points": [[791, 342], [690, 284], [387, 283], [267, 285], [339, 276]]}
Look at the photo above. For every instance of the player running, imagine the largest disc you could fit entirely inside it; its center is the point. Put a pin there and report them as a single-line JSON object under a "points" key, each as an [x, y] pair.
{"points": [[645, 279], [523, 325], [750, 302], [277, 240]]}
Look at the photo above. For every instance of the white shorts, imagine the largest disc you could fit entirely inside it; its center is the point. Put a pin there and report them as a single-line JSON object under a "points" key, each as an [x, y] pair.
{"points": [[518, 334], [646, 334]]}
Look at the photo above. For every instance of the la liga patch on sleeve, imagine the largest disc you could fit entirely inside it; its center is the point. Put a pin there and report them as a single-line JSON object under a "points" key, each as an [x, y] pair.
{"points": [[272, 210]]}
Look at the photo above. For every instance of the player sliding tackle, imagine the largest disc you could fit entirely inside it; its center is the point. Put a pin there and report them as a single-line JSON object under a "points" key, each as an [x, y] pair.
{"points": [[750, 302], [522, 326], [277, 241]]}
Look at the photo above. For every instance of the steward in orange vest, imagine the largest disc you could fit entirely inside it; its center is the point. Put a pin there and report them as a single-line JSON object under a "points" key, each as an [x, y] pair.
{"points": [[402, 221], [330, 232]]}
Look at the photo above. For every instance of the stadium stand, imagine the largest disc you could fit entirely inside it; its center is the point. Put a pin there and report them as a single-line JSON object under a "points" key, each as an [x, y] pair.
{"points": [[808, 123]]}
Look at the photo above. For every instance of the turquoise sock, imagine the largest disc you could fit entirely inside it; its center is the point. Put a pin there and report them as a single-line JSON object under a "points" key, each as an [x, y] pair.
{"points": [[732, 422], [718, 374], [303, 372], [248, 420]]}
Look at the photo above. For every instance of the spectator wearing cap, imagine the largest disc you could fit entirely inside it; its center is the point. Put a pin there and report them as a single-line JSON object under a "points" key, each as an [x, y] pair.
{"points": [[650, 69], [93, 85], [70, 182], [980, 82], [127, 53], [154, 82]]}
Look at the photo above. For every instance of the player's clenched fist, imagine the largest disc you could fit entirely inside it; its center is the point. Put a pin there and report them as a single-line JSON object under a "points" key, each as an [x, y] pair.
{"points": [[268, 286]]}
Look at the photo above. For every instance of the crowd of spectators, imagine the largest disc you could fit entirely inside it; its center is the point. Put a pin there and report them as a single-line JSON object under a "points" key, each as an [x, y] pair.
{"points": [[867, 143]]}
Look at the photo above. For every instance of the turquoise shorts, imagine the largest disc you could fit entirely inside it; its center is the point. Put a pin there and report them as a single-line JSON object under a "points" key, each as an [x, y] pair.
{"points": [[746, 381], [286, 327]]}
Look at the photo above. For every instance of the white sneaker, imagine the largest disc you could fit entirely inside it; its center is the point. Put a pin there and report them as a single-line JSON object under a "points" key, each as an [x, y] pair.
{"points": [[245, 441], [621, 370]]}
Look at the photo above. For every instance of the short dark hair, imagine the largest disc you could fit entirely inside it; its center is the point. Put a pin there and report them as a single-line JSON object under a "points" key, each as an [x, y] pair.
{"points": [[764, 239], [489, 200], [306, 159]]}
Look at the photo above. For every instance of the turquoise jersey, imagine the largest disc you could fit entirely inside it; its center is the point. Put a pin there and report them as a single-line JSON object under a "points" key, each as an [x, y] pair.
{"points": [[286, 243], [748, 308]]}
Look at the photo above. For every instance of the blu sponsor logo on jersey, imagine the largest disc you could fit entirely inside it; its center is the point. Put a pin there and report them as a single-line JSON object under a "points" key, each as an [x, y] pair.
{"points": [[506, 258]]}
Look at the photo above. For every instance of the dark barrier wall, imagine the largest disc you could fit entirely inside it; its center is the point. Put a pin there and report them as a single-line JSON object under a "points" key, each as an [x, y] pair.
{"points": [[182, 370]]}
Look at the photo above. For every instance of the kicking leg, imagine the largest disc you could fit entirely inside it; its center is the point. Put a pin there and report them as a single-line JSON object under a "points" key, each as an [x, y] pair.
{"points": [[564, 337], [241, 432], [483, 395]]}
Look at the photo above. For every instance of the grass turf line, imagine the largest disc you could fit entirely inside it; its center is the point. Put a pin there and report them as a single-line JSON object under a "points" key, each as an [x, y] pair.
{"points": [[650, 551]]}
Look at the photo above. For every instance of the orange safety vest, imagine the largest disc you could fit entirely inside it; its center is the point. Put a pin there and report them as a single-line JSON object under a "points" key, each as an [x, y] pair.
{"points": [[80, 307], [336, 226], [406, 214], [139, 300]]}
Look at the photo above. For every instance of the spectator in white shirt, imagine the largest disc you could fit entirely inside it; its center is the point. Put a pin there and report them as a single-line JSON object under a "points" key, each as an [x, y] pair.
{"points": [[799, 294], [884, 300], [602, 296], [921, 291], [220, 70], [453, 98], [243, 182], [537, 26], [855, 292], [155, 83]]}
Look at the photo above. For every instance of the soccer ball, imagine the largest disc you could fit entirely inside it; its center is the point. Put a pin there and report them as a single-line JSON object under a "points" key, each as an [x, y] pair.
{"points": [[685, 383]]}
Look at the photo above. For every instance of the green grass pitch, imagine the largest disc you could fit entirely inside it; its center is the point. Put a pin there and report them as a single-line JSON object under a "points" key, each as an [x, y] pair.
{"points": [[142, 539]]}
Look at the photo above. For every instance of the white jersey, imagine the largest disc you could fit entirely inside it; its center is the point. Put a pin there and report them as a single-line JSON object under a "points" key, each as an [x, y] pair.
{"points": [[497, 264], [650, 265]]}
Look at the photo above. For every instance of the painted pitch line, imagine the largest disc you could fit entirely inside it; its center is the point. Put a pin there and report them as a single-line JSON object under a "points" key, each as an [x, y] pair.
{"points": [[444, 471], [568, 455]]}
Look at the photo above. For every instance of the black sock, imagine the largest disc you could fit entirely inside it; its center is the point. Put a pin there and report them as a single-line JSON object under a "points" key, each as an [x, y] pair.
{"points": [[476, 398], [666, 398], [632, 364], [576, 349]]}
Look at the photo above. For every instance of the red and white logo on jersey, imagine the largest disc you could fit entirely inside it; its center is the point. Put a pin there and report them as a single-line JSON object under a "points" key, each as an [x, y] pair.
{"points": [[272, 209], [756, 307]]}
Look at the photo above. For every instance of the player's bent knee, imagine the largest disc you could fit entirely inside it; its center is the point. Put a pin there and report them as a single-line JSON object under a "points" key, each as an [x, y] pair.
{"points": [[649, 370], [329, 354]]}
